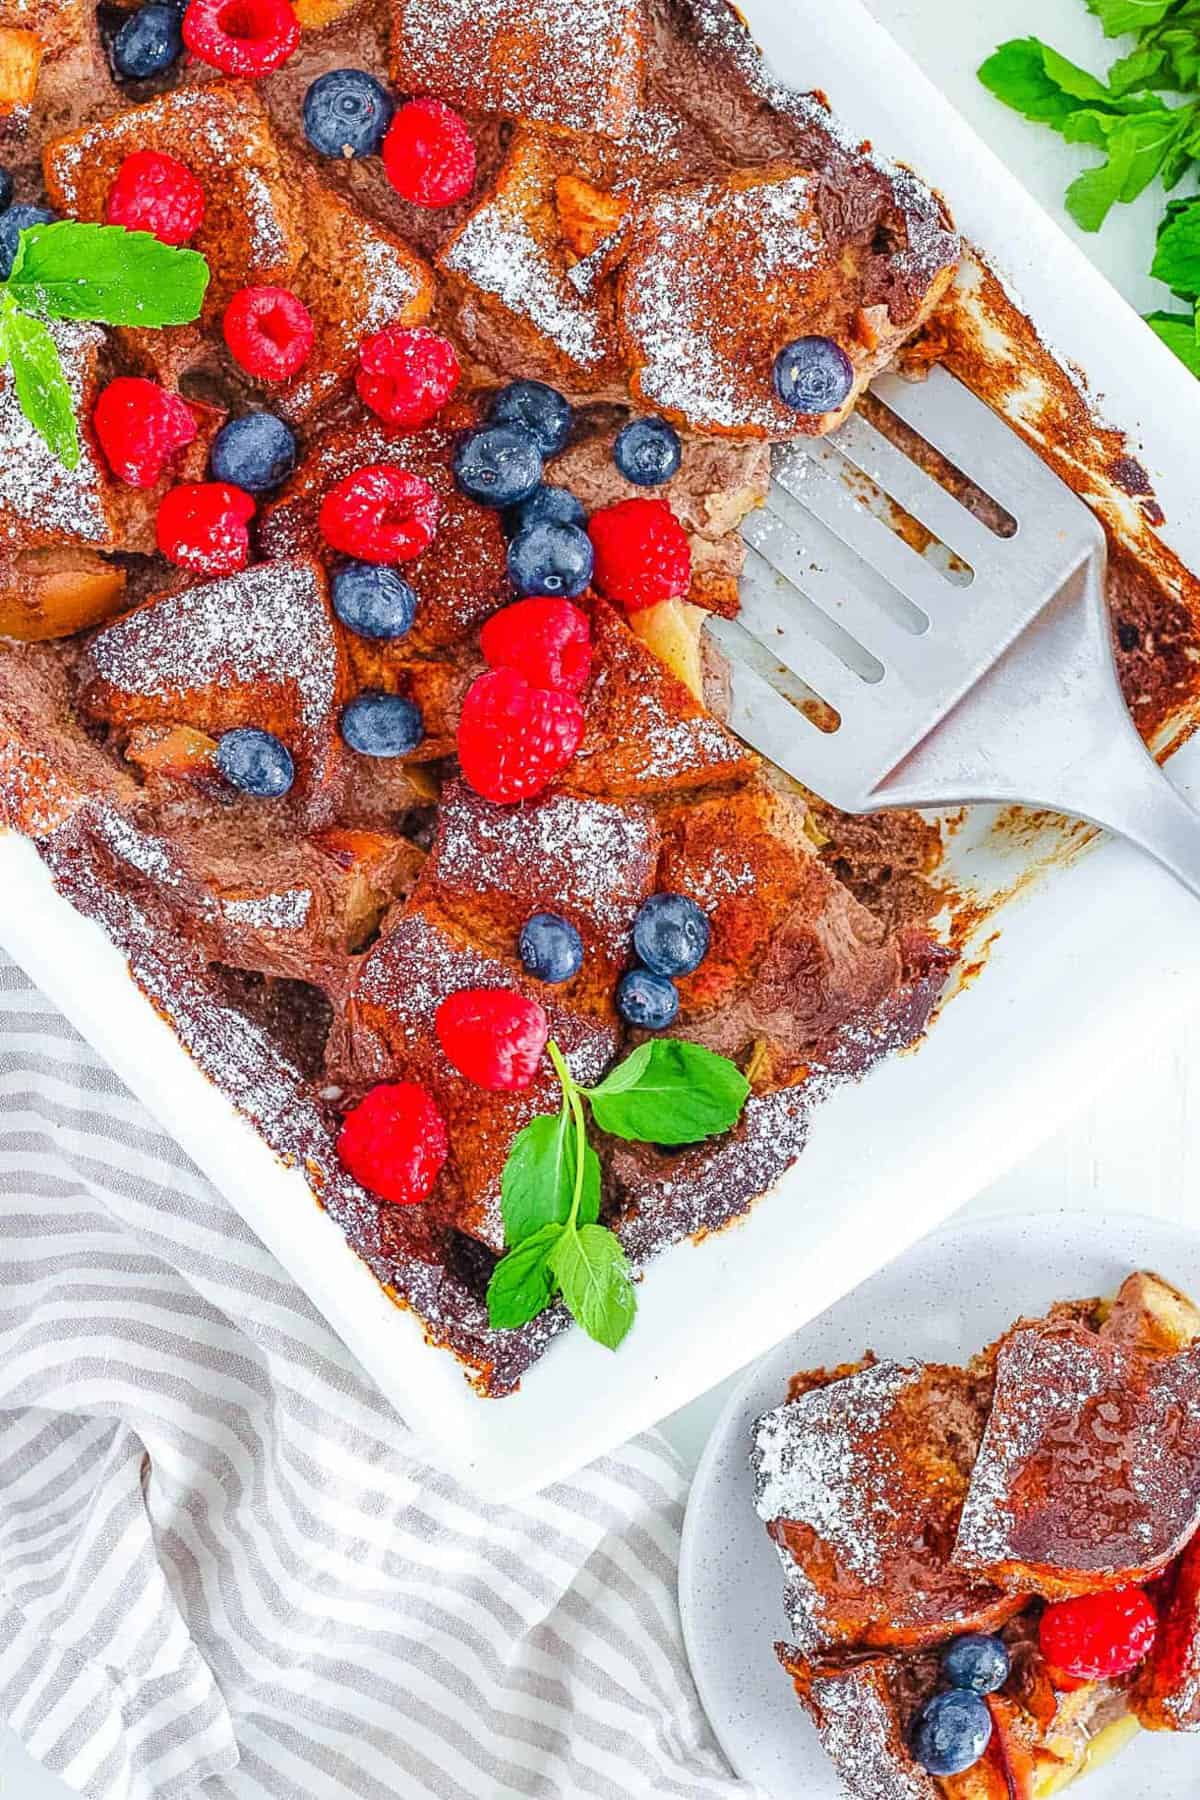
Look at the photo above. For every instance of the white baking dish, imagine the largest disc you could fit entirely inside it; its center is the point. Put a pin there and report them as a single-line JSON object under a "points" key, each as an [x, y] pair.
{"points": [[1092, 961]]}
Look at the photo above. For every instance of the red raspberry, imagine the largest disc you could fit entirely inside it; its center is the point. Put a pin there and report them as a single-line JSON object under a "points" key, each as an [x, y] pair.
{"points": [[1098, 1636], [380, 514], [642, 553], [407, 376], [241, 37], [428, 154], [548, 641], [140, 426], [202, 526], [268, 331], [512, 738], [493, 1036], [155, 192], [394, 1142]]}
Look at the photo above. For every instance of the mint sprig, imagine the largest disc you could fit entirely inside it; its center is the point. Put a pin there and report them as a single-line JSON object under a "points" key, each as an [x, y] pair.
{"points": [[101, 274], [665, 1092]]}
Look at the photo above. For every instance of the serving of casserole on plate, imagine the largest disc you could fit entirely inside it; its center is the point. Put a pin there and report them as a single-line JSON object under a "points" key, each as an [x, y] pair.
{"points": [[648, 248]]}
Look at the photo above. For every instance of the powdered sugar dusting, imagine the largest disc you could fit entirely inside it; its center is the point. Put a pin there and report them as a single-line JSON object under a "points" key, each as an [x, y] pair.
{"points": [[41, 501], [287, 910], [857, 1723]]}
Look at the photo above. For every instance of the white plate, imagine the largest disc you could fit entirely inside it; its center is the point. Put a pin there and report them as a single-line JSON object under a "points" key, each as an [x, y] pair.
{"points": [[948, 1297]]}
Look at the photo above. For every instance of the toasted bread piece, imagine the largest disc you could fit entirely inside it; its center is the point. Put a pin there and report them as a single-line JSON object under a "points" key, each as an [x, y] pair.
{"points": [[388, 1032], [645, 733], [459, 581], [718, 276], [20, 62], [860, 1483], [1089, 1472], [55, 593], [573, 65], [508, 268], [855, 1708], [50, 769], [260, 648], [793, 956], [590, 861], [1166, 1695]]}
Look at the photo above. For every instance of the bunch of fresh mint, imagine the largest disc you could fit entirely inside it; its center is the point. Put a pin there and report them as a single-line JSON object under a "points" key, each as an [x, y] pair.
{"points": [[667, 1092], [100, 273], [1141, 118]]}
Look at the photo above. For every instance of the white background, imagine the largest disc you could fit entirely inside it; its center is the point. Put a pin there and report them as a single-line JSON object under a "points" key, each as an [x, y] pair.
{"points": [[1135, 1148]]}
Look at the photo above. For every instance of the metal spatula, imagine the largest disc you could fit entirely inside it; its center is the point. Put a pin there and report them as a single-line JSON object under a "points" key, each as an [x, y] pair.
{"points": [[893, 649]]}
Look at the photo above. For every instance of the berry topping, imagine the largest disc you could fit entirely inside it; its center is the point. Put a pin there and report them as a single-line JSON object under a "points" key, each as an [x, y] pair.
{"points": [[493, 1036], [256, 762], [951, 1732], [498, 466], [551, 949], [976, 1663], [269, 332], [642, 553], [202, 526], [241, 37], [546, 504], [671, 934], [156, 192], [407, 374], [13, 222], [394, 1142], [6, 188], [140, 426], [148, 42], [813, 375], [1098, 1636], [377, 724], [646, 1000], [514, 739], [547, 641], [256, 452], [540, 411], [373, 601], [428, 154], [380, 514], [648, 451], [347, 113], [550, 559]]}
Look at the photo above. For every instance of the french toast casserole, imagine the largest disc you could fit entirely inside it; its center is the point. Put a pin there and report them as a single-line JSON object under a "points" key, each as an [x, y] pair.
{"points": [[352, 663], [992, 1573]]}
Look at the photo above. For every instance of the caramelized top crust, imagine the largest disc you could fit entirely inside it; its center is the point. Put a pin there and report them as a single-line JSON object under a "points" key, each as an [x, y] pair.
{"points": [[856, 1712]]}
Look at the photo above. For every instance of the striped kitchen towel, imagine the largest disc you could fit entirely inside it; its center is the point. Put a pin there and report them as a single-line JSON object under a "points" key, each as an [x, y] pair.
{"points": [[221, 1570]]}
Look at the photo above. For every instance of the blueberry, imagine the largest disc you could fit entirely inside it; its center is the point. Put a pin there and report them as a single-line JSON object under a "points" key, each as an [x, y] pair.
{"points": [[647, 1000], [545, 505], [256, 762], [976, 1663], [6, 188], [671, 934], [813, 375], [373, 600], [951, 1732], [12, 223], [537, 409], [149, 41], [551, 949], [256, 452], [648, 451], [347, 113], [382, 725], [498, 466], [551, 559]]}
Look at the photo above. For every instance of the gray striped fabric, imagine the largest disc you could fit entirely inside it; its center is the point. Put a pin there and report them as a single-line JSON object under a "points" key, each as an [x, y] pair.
{"points": [[220, 1569]]}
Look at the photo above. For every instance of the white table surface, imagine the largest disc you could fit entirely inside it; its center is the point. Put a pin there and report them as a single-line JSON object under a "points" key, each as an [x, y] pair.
{"points": [[1137, 1147]]}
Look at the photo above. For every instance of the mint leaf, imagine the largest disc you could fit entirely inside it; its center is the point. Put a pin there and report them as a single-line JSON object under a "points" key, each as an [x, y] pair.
{"points": [[1137, 148], [40, 385], [679, 1093], [1177, 259], [1178, 333], [590, 1268], [1144, 68], [538, 1180], [1016, 73], [1120, 16], [522, 1284], [106, 274]]}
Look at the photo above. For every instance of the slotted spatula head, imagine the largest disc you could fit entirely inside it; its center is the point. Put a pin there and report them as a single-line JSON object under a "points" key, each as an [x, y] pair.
{"points": [[873, 600]]}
